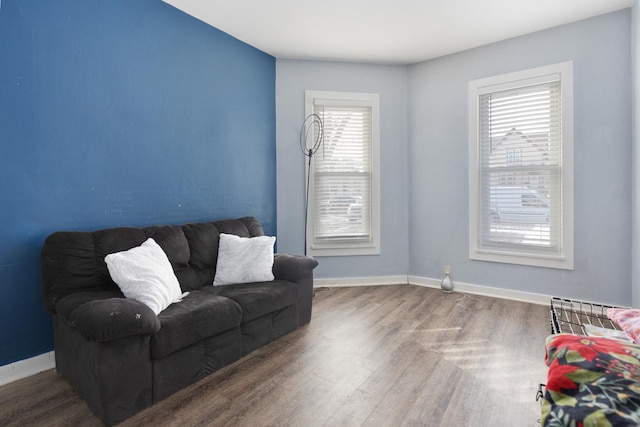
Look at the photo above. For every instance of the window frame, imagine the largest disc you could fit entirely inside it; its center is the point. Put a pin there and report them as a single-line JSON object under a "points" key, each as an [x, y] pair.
{"points": [[342, 248], [565, 259]]}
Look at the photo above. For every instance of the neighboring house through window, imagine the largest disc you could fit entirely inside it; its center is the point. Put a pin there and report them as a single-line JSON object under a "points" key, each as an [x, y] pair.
{"points": [[344, 203], [521, 167]]}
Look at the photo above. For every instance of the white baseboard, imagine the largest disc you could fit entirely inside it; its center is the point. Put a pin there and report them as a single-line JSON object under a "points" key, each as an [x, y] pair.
{"points": [[27, 367], [360, 281], [484, 290], [435, 283]]}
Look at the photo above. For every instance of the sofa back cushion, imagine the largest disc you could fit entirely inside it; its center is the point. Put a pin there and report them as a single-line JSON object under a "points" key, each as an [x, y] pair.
{"points": [[174, 243], [73, 261]]}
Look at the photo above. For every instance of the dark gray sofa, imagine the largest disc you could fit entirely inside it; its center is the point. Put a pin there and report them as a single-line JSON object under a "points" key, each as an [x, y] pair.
{"points": [[119, 356]]}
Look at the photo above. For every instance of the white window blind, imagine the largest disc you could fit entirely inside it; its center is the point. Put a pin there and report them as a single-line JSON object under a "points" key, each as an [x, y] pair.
{"points": [[342, 175], [520, 163], [344, 203], [521, 172]]}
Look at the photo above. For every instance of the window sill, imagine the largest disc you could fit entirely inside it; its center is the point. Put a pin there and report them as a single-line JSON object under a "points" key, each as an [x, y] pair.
{"points": [[559, 262], [343, 251]]}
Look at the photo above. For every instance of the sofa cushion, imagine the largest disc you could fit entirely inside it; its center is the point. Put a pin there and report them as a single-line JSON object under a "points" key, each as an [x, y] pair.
{"points": [[112, 240], [258, 299], [243, 227], [144, 273], [244, 259], [68, 266], [198, 316], [203, 244], [175, 244]]}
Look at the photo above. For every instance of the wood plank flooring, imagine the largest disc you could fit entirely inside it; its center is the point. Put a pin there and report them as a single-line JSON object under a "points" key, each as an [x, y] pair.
{"points": [[376, 356]]}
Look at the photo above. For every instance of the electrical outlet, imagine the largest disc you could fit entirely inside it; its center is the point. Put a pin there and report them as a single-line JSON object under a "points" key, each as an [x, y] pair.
{"points": [[447, 269]]}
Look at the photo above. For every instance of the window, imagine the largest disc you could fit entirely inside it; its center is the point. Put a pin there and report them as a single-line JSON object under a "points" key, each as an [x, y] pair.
{"points": [[344, 209], [521, 167]]}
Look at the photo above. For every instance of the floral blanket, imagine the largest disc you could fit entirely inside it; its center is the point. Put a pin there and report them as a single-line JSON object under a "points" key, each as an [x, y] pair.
{"points": [[591, 382]]}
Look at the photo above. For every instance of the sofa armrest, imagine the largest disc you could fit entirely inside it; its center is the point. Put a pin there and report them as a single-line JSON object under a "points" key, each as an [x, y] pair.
{"points": [[292, 267], [298, 269], [112, 318]]}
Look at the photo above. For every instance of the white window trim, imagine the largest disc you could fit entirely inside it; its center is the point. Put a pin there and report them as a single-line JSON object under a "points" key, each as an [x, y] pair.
{"points": [[341, 248], [566, 258]]}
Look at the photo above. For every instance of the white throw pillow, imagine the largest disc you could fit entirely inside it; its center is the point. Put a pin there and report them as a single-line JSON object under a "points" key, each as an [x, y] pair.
{"points": [[244, 259], [144, 274]]}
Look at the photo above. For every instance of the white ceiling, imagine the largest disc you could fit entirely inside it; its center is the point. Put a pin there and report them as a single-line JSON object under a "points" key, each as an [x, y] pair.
{"points": [[385, 31]]}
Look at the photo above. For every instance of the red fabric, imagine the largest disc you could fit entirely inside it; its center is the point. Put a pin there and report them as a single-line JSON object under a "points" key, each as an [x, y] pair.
{"points": [[557, 378], [591, 379], [588, 347]]}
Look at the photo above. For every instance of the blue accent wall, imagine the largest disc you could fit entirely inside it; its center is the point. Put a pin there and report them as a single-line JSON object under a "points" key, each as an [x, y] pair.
{"points": [[120, 113]]}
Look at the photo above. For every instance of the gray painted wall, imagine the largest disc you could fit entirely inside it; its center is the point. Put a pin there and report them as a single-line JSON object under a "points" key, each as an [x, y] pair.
{"points": [[438, 184], [635, 56], [293, 77], [425, 160]]}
